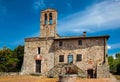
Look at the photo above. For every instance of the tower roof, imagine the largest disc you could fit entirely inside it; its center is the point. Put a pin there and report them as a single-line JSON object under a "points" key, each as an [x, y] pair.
{"points": [[48, 10]]}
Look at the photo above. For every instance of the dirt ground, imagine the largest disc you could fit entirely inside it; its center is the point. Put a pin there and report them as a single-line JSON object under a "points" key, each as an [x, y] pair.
{"points": [[27, 79], [43, 79]]}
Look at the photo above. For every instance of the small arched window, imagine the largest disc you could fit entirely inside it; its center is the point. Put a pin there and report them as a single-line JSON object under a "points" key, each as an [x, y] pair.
{"points": [[50, 18], [45, 22]]}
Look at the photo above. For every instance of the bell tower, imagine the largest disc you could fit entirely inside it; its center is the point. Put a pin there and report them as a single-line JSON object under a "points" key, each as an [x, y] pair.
{"points": [[48, 22]]}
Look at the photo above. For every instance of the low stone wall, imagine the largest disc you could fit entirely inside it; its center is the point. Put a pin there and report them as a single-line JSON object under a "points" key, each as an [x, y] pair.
{"points": [[9, 73]]}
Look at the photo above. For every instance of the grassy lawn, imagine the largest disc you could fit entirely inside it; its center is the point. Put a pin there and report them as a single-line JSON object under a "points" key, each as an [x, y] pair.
{"points": [[43, 79]]}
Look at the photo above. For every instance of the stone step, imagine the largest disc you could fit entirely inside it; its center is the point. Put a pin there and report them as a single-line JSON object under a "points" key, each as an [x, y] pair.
{"points": [[65, 69], [36, 74]]}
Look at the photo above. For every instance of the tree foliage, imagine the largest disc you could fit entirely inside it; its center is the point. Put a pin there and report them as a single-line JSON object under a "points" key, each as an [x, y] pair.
{"points": [[19, 51], [118, 62], [114, 64], [11, 60]]}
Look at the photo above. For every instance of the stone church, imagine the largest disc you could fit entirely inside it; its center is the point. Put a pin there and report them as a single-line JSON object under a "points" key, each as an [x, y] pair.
{"points": [[51, 55]]}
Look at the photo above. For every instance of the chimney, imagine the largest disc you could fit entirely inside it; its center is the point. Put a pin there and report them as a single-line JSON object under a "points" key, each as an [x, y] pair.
{"points": [[84, 34]]}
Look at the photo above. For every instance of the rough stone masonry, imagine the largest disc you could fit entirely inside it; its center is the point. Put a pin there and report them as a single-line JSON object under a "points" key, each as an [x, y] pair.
{"points": [[50, 54]]}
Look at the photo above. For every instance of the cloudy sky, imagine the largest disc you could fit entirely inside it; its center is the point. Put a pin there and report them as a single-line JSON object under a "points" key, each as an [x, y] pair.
{"points": [[21, 18]]}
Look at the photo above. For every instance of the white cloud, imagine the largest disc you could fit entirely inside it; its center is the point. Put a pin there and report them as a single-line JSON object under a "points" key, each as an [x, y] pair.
{"points": [[115, 46], [37, 34], [108, 47], [114, 55], [39, 4], [21, 41], [98, 17]]}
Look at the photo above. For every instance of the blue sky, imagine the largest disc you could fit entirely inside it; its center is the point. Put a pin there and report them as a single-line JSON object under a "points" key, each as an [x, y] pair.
{"points": [[21, 18]]}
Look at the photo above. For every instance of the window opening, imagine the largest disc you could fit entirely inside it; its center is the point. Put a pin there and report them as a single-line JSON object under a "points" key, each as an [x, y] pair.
{"points": [[79, 57], [61, 58], [45, 22], [50, 18], [38, 50]]}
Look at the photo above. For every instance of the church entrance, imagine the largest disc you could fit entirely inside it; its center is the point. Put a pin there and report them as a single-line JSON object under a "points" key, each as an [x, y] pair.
{"points": [[70, 59], [38, 66]]}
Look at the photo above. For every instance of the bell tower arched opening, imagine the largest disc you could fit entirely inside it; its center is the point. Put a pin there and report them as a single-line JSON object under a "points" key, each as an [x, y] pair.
{"points": [[45, 20], [50, 18]]}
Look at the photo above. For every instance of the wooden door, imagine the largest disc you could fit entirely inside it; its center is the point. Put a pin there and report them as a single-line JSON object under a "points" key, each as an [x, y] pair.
{"points": [[38, 66]]}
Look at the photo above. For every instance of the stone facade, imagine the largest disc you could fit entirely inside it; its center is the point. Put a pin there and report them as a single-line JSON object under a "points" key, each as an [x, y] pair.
{"points": [[48, 48]]}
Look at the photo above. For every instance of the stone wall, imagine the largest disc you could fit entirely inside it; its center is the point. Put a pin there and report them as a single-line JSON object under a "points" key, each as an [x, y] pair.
{"points": [[9, 73], [103, 71], [46, 52], [92, 50]]}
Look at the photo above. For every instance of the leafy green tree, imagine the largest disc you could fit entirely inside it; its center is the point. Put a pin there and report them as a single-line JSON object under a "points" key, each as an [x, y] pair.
{"points": [[110, 61], [7, 60], [114, 64], [118, 62], [118, 68], [19, 52], [117, 55]]}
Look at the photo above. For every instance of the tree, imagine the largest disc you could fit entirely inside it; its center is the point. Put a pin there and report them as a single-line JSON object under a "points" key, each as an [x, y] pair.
{"points": [[118, 68], [7, 60], [114, 64], [19, 52], [117, 55], [110, 61], [118, 62]]}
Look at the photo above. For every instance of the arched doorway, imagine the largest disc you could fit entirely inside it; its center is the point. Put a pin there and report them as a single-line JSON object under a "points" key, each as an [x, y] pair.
{"points": [[38, 60]]}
